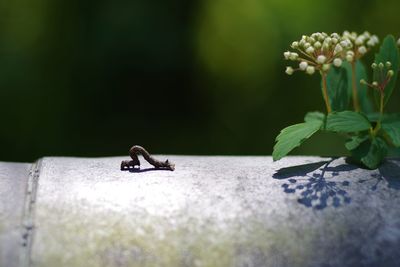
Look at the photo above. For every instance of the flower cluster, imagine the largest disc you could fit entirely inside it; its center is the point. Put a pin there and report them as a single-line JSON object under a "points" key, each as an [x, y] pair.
{"points": [[360, 44], [384, 74], [316, 52], [319, 50]]}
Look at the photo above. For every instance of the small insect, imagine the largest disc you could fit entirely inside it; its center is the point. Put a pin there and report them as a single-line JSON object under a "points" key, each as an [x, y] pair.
{"points": [[138, 150]]}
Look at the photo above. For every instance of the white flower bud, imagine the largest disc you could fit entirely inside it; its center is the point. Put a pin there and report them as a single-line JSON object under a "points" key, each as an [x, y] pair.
{"points": [[350, 53], [338, 48], [303, 65], [328, 40], [326, 67], [349, 58], [381, 66], [295, 45], [360, 40], [344, 43], [307, 45], [335, 35], [388, 64], [375, 84], [390, 73], [317, 45], [321, 59], [289, 70], [310, 50], [374, 65], [370, 42], [310, 70], [362, 50], [293, 56], [286, 54], [373, 40], [334, 40], [337, 62], [362, 81]]}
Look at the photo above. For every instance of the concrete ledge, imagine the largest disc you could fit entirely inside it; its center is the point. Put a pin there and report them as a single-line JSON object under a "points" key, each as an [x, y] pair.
{"points": [[13, 182], [216, 211]]}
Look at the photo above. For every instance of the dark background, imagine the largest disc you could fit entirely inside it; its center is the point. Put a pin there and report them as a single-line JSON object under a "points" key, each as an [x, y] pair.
{"points": [[92, 78]]}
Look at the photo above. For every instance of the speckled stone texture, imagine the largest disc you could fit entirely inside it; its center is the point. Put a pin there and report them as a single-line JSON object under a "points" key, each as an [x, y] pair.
{"points": [[214, 211], [13, 182]]}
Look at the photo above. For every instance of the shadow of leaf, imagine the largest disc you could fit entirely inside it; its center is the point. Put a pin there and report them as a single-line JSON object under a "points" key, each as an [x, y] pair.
{"points": [[298, 170]]}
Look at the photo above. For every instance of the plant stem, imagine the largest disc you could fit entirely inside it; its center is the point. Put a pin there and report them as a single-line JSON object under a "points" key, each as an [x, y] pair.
{"points": [[381, 106], [378, 124], [356, 104], [325, 93]]}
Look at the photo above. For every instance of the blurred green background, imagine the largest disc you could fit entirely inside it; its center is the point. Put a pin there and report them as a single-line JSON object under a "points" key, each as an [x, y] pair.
{"points": [[92, 78]]}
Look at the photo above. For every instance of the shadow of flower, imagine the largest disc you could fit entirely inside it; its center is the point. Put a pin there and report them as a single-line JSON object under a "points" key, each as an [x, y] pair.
{"points": [[314, 188], [317, 188]]}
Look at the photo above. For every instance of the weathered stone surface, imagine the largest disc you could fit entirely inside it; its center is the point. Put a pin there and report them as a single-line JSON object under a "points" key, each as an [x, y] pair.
{"points": [[216, 211], [13, 185]]}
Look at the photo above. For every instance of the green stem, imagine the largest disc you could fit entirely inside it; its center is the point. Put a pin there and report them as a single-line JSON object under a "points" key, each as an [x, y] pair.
{"points": [[378, 124], [356, 104], [381, 106], [325, 93]]}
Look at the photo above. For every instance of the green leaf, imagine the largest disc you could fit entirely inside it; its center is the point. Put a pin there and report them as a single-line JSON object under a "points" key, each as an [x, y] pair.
{"points": [[371, 152], [374, 116], [347, 121], [293, 136], [337, 83], [391, 126], [355, 141], [364, 93], [314, 116], [387, 52]]}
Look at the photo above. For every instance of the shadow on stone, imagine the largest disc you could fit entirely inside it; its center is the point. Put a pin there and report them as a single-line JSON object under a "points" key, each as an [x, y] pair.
{"points": [[317, 191], [138, 170], [311, 184], [389, 173]]}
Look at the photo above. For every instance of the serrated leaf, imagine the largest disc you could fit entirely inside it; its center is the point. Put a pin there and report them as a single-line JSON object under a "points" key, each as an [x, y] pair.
{"points": [[355, 141], [337, 83], [364, 93], [293, 136], [314, 116], [371, 152], [347, 121], [391, 126], [387, 52]]}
